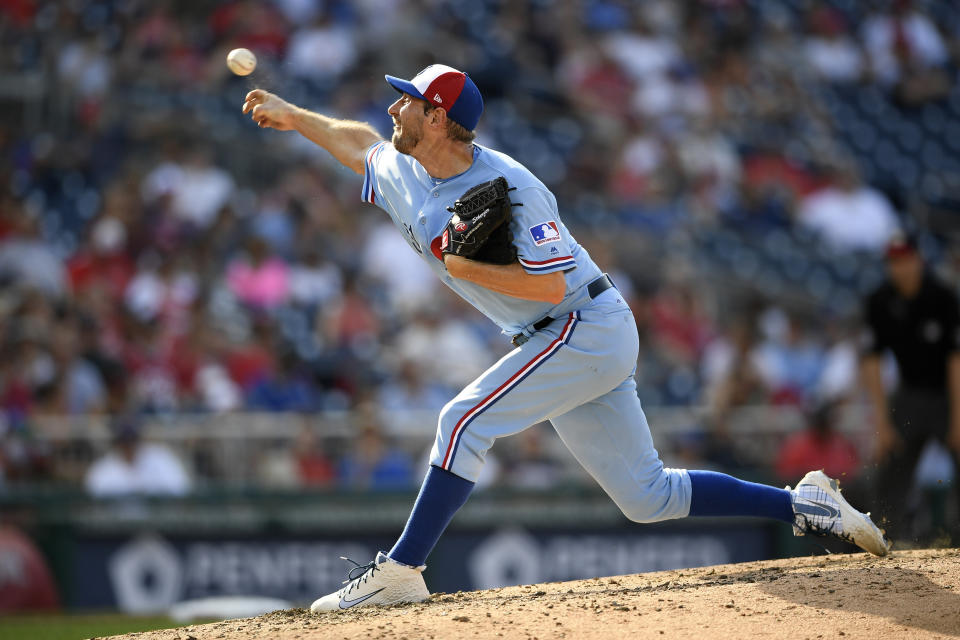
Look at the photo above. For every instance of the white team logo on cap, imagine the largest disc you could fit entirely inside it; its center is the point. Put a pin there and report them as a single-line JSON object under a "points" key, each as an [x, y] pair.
{"points": [[436, 97]]}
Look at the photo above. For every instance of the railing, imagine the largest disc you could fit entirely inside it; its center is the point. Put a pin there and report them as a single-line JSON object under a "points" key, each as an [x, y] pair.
{"points": [[30, 89], [173, 428], [235, 443]]}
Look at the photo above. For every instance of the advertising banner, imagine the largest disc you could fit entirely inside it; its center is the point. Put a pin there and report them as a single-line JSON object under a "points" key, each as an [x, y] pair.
{"points": [[148, 572]]}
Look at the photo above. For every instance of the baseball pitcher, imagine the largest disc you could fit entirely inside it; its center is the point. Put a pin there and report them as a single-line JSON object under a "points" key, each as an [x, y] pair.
{"points": [[491, 231]]}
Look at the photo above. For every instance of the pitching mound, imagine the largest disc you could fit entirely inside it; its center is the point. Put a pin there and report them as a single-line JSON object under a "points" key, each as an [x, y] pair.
{"points": [[913, 594]]}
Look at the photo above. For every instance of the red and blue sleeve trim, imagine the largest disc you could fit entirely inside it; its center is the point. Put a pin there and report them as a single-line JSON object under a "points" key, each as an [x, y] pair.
{"points": [[368, 193], [554, 264]]}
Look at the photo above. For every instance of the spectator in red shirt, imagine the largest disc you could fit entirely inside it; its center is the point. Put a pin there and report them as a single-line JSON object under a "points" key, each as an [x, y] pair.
{"points": [[103, 260], [819, 446], [679, 322], [313, 465]]}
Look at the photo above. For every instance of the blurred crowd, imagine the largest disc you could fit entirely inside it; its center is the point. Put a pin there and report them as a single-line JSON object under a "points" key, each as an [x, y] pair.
{"points": [[160, 254]]}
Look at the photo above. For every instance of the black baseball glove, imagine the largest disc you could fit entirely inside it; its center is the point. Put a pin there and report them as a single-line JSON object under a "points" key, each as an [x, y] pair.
{"points": [[480, 226]]}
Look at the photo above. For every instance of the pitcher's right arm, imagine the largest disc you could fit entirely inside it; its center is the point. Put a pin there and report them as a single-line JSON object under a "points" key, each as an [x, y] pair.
{"points": [[346, 140]]}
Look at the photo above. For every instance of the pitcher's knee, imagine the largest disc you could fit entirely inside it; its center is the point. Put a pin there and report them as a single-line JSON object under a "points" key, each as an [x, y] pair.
{"points": [[644, 511], [455, 449], [451, 413], [665, 497], [445, 426]]}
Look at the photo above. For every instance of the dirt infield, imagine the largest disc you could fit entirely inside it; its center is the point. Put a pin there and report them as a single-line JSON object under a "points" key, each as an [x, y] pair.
{"points": [[913, 594]]}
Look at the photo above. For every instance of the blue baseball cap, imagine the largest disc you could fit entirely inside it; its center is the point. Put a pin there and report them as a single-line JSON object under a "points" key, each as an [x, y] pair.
{"points": [[444, 86]]}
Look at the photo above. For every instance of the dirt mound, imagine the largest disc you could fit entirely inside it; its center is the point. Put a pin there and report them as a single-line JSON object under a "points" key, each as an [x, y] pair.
{"points": [[913, 594]]}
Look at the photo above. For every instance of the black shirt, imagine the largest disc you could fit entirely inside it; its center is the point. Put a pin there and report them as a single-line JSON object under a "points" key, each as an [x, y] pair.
{"points": [[922, 332]]}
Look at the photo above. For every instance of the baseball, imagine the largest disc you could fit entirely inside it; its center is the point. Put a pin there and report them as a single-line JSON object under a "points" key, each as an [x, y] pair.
{"points": [[242, 61]]}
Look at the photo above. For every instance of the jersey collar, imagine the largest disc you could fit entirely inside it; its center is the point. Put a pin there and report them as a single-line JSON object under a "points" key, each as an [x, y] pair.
{"points": [[439, 181]]}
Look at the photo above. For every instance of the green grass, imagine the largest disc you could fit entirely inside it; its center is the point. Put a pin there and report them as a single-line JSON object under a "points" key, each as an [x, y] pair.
{"points": [[65, 627]]}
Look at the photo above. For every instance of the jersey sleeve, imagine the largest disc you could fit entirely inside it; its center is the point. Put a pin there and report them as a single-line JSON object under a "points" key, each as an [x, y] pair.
{"points": [[371, 186], [539, 236]]}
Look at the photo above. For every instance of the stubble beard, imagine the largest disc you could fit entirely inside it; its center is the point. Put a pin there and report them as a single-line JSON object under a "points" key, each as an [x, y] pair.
{"points": [[408, 140]]}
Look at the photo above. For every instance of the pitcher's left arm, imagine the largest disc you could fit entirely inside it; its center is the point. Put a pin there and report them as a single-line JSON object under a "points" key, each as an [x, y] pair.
{"points": [[509, 279]]}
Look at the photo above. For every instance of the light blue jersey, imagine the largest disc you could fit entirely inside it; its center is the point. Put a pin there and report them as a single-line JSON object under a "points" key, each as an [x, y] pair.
{"points": [[418, 203], [574, 366], [576, 372]]}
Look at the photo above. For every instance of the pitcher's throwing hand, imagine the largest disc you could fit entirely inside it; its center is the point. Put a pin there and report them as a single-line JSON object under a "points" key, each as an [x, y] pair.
{"points": [[270, 111]]}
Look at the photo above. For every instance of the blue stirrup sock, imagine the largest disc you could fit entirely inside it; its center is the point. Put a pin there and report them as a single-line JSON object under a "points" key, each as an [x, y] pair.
{"points": [[441, 495], [717, 494]]}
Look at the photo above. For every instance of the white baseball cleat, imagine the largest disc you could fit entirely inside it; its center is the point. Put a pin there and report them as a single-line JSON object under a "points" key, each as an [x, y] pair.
{"points": [[820, 510], [383, 581]]}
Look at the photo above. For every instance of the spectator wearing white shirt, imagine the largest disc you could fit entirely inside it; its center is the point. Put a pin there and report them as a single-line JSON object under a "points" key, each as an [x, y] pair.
{"points": [[432, 332], [902, 38], [848, 214], [834, 55], [642, 52], [907, 53], [133, 467], [197, 189], [85, 67], [321, 51], [26, 259], [386, 257], [315, 282]]}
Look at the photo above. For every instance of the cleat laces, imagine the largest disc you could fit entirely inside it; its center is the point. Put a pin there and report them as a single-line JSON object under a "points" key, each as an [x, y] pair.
{"points": [[358, 573]]}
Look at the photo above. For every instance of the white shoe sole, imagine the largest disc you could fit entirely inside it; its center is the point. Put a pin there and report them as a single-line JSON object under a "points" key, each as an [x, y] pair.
{"points": [[858, 526], [334, 603]]}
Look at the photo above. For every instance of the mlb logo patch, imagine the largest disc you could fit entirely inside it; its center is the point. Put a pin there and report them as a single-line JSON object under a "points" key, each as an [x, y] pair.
{"points": [[545, 233]]}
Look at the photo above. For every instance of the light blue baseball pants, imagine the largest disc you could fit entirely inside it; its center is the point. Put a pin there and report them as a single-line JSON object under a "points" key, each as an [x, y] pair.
{"points": [[578, 374]]}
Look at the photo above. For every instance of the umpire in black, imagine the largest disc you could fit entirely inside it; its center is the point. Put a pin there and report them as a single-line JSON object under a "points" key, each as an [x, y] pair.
{"points": [[916, 316]]}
